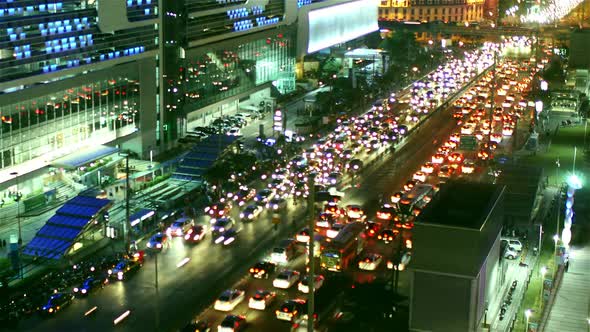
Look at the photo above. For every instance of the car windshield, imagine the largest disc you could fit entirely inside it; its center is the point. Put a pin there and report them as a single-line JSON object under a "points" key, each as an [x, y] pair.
{"points": [[279, 250], [225, 296], [283, 276], [177, 225]]}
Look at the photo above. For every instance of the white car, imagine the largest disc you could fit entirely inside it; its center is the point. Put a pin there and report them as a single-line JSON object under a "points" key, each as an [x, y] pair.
{"points": [[234, 132], [286, 279], [333, 231], [511, 253], [303, 285], [370, 262], [261, 299], [229, 299], [419, 176]]}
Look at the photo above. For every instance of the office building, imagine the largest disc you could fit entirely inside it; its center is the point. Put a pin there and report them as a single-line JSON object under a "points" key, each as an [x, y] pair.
{"points": [[457, 269], [243, 54], [75, 75], [432, 10]]}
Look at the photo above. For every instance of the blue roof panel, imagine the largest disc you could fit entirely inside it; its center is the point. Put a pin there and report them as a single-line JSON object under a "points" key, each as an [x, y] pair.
{"points": [[68, 221], [78, 210], [64, 233], [89, 201]]}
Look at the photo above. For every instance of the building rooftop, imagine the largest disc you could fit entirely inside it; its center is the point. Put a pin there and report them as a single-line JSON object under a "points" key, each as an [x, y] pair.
{"points": [[461, 204], [457, 230]]}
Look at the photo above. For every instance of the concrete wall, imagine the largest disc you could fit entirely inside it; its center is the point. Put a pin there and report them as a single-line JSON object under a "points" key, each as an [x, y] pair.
{"points": [[440, 303]]}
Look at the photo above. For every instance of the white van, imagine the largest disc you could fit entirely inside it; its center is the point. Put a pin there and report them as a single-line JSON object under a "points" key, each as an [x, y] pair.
{"points": [[284, 252], [513, 243]]}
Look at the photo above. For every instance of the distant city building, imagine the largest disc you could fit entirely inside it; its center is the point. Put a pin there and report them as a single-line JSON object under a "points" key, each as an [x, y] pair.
{"points": [[457, 267], [432, 10]]}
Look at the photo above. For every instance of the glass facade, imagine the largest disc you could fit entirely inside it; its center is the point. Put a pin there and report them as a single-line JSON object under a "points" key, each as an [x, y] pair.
{"points": [[38, 37], [237, 19], [52, 123], [216, 75]]}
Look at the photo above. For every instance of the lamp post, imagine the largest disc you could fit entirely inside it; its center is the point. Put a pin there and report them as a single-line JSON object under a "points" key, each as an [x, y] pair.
{"points": [[527, 314], [311, 274]]}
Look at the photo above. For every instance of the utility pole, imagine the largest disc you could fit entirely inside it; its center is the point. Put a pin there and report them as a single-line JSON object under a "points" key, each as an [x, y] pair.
{"points": [[311, 257], [127, 224], [157, 292]]}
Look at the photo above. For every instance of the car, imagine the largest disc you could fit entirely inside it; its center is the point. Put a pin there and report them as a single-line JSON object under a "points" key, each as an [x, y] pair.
{"points": [[427, 168], [221, 225], [57, 302], [217, 210], [438, 158], [370, 262], [510, 253], [513, 243], [232, 323], [386, 212], [251, 212], [195, 233], [387, 235], [445, 172], [291, 309], [264, 196], [180, 226], [355, 212], [234, 132], [419, 176], [90, 284], [468, 167], [243, 195], [229, 299], [333, 231], [226, 237], [261, 299], [303, 236], [276, 203], [303, 285], [286, 279], [197, 326], [262, 270], [157, 241], [124, 269], [372, 228]]}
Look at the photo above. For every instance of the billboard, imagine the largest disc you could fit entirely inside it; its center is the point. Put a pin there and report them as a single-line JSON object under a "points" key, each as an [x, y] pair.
{"points": [[337, 24]]}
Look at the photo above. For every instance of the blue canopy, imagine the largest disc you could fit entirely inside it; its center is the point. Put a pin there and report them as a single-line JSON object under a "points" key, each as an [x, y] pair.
{"points": [[61, 230], [83, 157]]}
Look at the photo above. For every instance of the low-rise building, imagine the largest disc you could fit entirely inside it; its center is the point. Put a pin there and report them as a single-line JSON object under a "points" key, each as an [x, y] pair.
{"points": [[457, 267]]}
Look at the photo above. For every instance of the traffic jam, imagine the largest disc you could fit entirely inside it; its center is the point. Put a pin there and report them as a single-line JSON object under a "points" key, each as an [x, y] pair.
{"points": [[347, 240], [272, 294]]}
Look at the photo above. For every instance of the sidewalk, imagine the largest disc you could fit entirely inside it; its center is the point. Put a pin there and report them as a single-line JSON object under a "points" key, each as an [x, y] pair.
{"points": [[570, 312]]}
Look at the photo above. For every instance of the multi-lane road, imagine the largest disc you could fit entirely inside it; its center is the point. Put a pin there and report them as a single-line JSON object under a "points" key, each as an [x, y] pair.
{"points": [[185, 291]]}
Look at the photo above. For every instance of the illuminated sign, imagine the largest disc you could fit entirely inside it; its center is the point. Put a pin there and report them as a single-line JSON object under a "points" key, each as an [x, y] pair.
{"points": [[338, 24]]}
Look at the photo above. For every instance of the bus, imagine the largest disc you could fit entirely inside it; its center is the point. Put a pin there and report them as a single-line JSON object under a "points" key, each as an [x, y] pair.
{"points": [[343, 249], [410, 204]]}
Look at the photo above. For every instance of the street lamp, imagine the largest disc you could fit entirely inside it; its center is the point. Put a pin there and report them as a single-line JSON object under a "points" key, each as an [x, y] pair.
{"points": [[527, 314]]}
